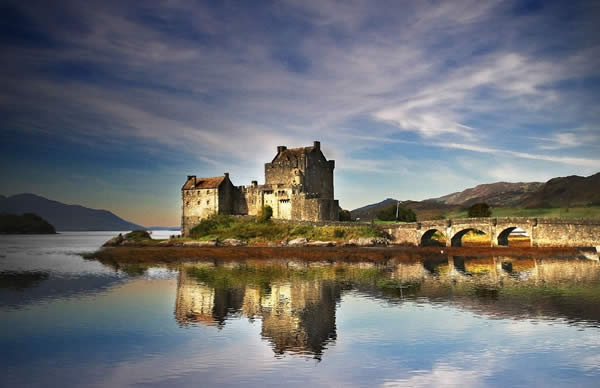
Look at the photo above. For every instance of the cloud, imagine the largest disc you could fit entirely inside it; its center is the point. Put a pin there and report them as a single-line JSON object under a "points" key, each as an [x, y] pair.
{"points": [[224, 84]]}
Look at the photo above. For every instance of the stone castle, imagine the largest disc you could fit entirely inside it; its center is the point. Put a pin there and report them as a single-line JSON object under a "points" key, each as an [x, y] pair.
{"points": [[298, 186]]}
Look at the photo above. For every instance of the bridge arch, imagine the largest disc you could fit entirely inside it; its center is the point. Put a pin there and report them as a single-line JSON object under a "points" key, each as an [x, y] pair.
{"points": [[456, 240], [433, 237], [503, 236]]}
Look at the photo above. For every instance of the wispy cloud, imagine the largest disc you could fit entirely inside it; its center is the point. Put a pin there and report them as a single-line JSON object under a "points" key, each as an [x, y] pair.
{"points": [[223, 84]]}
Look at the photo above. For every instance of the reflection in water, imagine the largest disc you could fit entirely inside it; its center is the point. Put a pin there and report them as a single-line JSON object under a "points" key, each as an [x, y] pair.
{"points": [[296, 301], [297, 307], [21, 280]]}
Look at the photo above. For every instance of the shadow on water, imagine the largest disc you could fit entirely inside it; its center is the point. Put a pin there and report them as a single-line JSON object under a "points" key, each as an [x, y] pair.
{"points": [[15, 280]]}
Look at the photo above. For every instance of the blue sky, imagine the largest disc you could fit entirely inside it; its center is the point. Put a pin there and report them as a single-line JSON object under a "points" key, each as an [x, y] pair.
{"points": [[111, 104]]}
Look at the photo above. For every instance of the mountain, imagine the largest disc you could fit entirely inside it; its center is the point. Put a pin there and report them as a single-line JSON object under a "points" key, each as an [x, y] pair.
{"points": [[368, 212], [65, 217], [565, 192], [557, 192], [494, 194]]}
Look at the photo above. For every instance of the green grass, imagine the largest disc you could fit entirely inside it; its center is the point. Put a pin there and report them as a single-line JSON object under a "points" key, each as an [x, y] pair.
{"points": [[588, 212], [223, 227]]}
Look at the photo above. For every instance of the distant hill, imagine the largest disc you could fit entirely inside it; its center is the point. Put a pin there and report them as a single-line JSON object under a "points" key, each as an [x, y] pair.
{"points": [[565, 192], [494, 194], [65, 217], [557, 192], [368, 212]]}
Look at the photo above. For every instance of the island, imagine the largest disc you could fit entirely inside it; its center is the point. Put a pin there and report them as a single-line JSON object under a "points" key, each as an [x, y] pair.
{"points": [[27, 223]]}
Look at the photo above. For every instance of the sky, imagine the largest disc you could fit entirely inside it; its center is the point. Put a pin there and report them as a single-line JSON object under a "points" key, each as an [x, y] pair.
{"points": [[111, 104]]}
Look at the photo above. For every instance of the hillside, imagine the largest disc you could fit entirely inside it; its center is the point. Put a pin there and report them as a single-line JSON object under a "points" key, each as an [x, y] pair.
{"points": [[506, 199], [65, 217], [565, 192], [368, 212], [495, 194]]}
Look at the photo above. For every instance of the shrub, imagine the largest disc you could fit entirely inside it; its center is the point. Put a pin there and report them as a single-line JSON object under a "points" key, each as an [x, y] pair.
{"points": [[339, 233], [137, 235], [210, 225], [480, 209], [404, 214], [265, 214]]}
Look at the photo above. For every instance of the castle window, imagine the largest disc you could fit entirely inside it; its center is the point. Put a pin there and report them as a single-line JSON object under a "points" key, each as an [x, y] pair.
{"points": [[198, 202], [187, 203], [208, 201], [207, 191]]}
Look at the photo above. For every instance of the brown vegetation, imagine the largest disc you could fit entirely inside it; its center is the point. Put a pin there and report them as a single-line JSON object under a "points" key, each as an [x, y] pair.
{"points": [[183, 254]]}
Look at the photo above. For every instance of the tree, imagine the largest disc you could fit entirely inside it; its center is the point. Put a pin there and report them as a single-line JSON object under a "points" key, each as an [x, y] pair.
{"points": [[404, 214], [480, 209], [265, 213], [345, 215]]}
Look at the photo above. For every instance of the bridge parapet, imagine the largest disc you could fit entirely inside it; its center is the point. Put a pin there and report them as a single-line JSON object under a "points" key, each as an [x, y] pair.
{"points": [[543, 232]]}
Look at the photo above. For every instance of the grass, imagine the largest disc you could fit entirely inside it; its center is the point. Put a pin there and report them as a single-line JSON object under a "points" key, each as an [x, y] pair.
{"points": [[224, 227]]}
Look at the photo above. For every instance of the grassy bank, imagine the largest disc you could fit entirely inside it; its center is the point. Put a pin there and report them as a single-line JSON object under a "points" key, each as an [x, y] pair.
{"points": [[587, 212], [223, 227]]}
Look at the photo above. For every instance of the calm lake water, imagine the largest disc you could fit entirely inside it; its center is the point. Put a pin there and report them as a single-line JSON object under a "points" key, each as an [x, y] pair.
{"points": [[455, 321]]}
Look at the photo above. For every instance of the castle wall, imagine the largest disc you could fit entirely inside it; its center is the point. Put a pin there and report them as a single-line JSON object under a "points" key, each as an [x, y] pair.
{"points": [[200, 203], [318, 176], [314, 209], [298, 185], [284, 172], [226, 197]]}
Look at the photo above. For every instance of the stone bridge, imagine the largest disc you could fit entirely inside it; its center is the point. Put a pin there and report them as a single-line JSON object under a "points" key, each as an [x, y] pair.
{"points": [[543, 232]]}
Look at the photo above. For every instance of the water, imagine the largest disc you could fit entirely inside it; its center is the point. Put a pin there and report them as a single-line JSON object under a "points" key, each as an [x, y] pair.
{"points": [[68, 321]]}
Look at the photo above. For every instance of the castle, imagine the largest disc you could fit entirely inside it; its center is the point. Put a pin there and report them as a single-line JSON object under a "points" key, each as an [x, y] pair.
{"points": [[298, 186]]}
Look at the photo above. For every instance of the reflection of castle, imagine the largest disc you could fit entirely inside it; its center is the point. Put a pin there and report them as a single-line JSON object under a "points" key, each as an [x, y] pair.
{"points": [[297, 316]]}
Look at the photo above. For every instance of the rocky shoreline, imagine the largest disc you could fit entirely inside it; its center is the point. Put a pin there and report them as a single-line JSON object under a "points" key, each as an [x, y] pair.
{"points": [[121, 240]]}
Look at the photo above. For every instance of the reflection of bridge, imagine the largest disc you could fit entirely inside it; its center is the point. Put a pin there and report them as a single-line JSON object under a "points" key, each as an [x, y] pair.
{"points": [[543, 232]]}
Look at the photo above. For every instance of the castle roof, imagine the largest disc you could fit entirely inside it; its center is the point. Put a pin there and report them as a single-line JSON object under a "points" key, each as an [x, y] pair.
{"points": [[292, 153], [202, 183]]}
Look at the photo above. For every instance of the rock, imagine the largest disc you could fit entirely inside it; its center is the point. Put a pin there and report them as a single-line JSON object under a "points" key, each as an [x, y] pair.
{"points": [[166, 243], [129, 243], [367, 241], [298, 242], [200, 244], [232, 242], [590, 255], [113, 242], [321, 244]]}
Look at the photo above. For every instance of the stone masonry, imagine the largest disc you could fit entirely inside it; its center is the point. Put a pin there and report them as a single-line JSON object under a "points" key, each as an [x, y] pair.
{"points": [[543, 232], [298, 186]]}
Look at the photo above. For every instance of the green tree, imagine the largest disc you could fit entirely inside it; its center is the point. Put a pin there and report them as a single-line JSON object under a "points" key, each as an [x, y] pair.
{"points": [[404, 214], [345, 215], [480, 209], [265, 213]]}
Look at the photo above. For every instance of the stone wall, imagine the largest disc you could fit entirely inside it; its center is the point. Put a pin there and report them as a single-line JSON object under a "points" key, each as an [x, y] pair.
{"points": [[318, 176], [197, 205], [284, 172], [556, 233], [543, 232]]}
